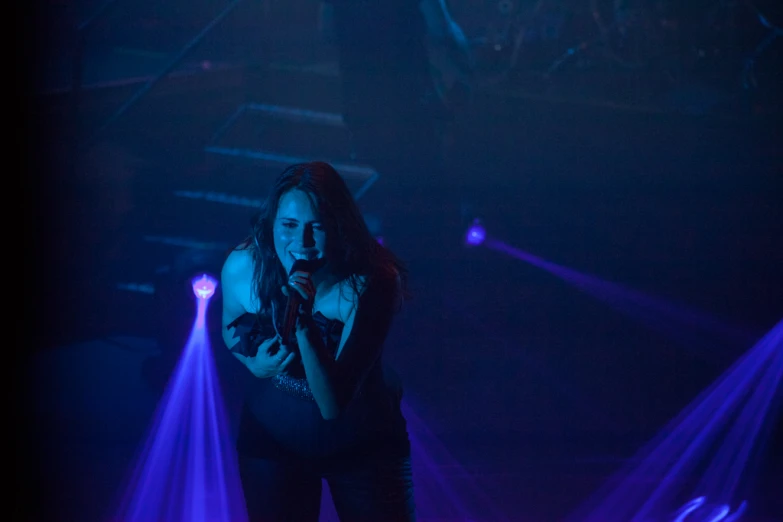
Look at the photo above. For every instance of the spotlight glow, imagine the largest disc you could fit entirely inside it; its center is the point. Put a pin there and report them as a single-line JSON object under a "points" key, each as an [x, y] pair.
{"points": [[204, 287], [706, 451], [717, 514], [187, 469], [476, 234], [689, 508], [684, 324]]}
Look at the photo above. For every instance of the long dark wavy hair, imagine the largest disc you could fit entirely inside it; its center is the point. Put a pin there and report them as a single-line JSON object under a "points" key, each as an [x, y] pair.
{"points": [[351, 249]]}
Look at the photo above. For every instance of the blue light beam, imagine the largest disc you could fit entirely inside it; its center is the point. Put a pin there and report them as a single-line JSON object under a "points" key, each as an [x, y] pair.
{"points": [[187, 469], [672, 319], [704, 453]]}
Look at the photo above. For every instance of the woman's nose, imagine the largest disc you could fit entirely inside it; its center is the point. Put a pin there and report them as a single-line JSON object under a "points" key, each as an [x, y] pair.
{"points": [[306, 237]]}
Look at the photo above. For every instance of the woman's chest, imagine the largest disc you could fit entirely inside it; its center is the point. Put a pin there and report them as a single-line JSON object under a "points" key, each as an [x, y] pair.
{"points": [[336, 303]]}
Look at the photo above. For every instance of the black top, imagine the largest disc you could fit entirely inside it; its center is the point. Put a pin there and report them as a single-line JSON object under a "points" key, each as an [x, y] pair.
{"points": [[250, 330], [282, 420]]}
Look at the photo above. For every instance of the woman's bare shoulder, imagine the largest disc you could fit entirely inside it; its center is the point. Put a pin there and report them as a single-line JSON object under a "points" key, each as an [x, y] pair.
{"points": [[237, 280], [238, 263]]}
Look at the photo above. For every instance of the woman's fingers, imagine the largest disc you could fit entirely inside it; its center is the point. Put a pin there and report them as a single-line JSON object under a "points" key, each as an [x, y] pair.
{"points": [[302, 278], [304, 281], [301, 289], [303, 284], [269, 343], [286, 361]]}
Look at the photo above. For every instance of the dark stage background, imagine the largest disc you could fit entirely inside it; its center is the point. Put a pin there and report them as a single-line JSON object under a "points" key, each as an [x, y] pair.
{"points": [[655, 165]]}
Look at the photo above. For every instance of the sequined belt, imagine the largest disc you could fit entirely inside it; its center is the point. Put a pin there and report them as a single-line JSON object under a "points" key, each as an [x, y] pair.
{"points": [[296, 386], [293, 386]]}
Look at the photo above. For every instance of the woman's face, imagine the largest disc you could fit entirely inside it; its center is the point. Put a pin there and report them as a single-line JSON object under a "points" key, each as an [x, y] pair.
{"points": [[298, 230]]}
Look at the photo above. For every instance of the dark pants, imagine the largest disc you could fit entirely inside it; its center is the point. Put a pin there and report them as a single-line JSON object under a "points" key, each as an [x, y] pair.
{"points": [[371, 490]]}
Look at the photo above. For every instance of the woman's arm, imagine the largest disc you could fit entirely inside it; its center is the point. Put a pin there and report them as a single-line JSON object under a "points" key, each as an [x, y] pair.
{"points": [[334, 381], [236, 273], [236, 279]]}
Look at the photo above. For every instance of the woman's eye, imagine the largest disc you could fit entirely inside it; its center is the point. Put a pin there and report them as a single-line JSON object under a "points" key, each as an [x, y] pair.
{"points": [[289, 225]]}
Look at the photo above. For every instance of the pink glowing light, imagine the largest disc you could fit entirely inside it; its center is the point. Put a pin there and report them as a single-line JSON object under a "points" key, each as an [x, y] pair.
{"points": [[204, 287]]}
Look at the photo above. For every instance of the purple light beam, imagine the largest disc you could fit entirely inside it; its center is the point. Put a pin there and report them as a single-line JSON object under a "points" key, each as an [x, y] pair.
{"points": [[443, 488], [659, 314], [729, 416], [187, 470], [711, 442]]}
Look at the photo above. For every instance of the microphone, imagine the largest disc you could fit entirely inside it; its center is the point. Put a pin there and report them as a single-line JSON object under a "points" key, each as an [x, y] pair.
{"points": [[295, 301]]}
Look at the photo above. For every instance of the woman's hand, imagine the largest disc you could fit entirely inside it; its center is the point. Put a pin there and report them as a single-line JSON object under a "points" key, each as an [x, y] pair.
{"points": [[270, 360], [302, 284]]}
